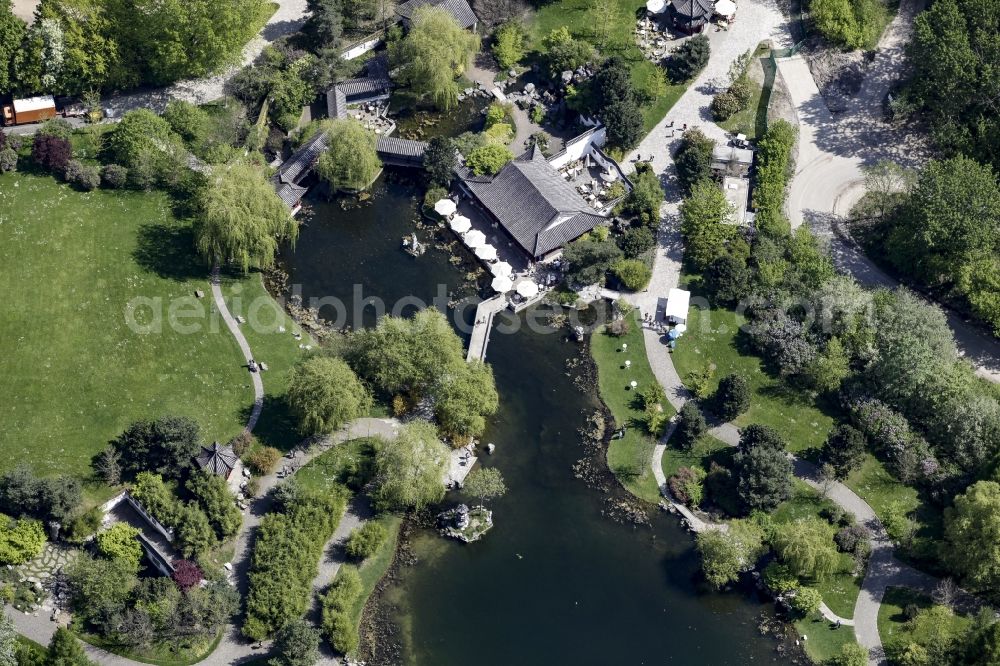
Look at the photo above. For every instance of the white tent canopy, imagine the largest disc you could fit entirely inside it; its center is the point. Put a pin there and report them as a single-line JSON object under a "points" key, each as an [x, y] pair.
{"points": [[656, 6], [725, 8], [677, 306], [486, 252], [501, 268], [501, 284], [445, 207], [527, 288], [460, 224], [474, 239]]}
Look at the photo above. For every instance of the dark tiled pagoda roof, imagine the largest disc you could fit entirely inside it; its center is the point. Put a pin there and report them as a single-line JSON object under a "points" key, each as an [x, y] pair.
{"points": [[302, 160], [534, 203], [459, 10], [218, 460], [692, 10], [395, 147]]}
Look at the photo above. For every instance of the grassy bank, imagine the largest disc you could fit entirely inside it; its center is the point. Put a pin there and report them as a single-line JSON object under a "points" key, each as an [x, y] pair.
{"points": [[892, 619], [104, 327], [628, 457]]}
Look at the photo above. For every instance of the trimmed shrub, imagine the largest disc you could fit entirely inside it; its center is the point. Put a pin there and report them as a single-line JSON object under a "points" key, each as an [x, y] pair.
{"points": [[337, 625], [365, 540], [187, 574], [725, 105], [82, 175], [732, 397], [691, 425], [8, 160], [20, 540], [806, 600], [509, 44], [263, 460], [114, 176], [51, 152], [687, 485], [774, 156], [637, 241], [689, 59], [632, 273], [118, 542]]}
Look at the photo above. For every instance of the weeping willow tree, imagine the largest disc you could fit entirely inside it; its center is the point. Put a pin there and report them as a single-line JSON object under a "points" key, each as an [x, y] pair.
{"points": [[240, 219], [351, 163], [433, 54]]}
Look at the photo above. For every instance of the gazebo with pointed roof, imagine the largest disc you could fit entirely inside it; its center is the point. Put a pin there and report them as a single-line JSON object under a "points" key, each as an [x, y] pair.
{"points": [[219, 460], [690, 15]]}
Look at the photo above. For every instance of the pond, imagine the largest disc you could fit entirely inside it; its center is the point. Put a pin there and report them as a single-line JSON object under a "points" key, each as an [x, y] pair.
{"points": [[556, 581]]}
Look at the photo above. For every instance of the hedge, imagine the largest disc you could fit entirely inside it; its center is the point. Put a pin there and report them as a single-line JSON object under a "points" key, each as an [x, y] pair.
{"points": [[774, 156], [286, 554]]}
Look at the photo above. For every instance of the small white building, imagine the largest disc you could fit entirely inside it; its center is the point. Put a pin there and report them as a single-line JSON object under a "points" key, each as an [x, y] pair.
{"points": [[676, 311]]}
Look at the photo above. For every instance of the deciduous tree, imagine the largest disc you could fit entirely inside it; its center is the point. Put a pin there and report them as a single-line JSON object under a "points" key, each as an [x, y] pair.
{"points": [[241, 220], [409, 471], [806, 546], [324, 394], [433, 54], [351, 163]]}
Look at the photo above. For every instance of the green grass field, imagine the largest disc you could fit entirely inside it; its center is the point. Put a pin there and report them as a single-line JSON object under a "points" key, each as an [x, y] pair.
{"points": [[578, 18], [892, 623], [76, 269], [712, 338], [629, 457]]}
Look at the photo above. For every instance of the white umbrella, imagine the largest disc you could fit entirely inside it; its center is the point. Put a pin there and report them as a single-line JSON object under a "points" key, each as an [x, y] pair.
{"points": [[486, 252], [655, 6], [501, 269], [460, 224], [445, 207], [474, 239], [723, 8], [527, 288], [501, 284]]}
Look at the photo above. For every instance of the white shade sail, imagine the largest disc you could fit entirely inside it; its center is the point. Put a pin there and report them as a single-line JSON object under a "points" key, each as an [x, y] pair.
{"points": [[460, 224], [501, 268], [474, 239], [656, 6], [501, 284], [527, 288], [486, 252], [445, 207], [725, 8]]}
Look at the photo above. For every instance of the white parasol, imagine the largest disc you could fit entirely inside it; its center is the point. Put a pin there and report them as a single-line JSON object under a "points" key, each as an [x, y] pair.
{"points": [[486, 252], [501, 269], [460, 224], [501, 284], [725, 8], [474, 239], [527, 288], [445, 207], [655, 6]]}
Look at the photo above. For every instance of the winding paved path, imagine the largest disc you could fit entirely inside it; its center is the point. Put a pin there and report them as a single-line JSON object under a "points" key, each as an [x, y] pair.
{"points": [[825, 184], [234, 328], [832, 151], [233, 648]]}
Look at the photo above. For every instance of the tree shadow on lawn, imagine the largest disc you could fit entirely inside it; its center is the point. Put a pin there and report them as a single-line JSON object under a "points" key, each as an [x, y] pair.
{"points": [[168, 251], [276, 426]]}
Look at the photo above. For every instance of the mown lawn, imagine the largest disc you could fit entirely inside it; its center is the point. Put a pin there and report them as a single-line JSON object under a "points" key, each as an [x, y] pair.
{"points": [[704, 451], [102, 326], [892, 617], [578, 18], [840, 589], [823, 640], [629, 458], [713, 339]]}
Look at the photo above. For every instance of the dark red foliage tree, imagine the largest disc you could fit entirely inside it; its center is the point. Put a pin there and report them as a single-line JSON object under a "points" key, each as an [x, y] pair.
{"points": [[187, 574], [51, 152]]}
